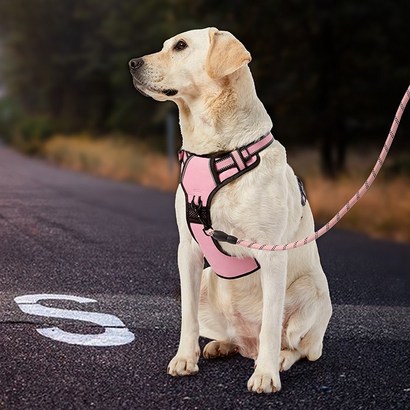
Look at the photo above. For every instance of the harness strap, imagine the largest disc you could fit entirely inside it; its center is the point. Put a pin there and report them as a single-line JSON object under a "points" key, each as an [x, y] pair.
{"points": [[231, 163], [241, 158], [201, 178], [226, 159]]}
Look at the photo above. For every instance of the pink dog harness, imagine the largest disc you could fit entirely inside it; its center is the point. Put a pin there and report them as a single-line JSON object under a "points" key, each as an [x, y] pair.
{"points": [[202, 177]]}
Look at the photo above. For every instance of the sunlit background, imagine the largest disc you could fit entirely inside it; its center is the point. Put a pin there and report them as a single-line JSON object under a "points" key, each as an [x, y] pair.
{"points": [[330, 73]]}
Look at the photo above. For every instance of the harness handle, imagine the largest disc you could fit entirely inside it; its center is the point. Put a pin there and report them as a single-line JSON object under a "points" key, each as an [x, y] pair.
{"points": [[223, 237]]}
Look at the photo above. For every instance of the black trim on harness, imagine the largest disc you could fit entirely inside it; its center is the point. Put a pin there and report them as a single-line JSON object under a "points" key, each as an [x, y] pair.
{"points": [[302, 190], [241, 276]]}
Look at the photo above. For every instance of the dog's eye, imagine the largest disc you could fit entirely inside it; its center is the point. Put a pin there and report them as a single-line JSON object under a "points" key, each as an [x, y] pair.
{"points": [[180, 45]]}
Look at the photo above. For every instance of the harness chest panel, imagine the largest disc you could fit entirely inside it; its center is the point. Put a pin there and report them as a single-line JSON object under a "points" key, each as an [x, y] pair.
{"points": [[201, 178]]}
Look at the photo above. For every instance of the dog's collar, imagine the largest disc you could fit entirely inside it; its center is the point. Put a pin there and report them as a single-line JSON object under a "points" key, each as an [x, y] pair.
{"points": [[244, 152]]}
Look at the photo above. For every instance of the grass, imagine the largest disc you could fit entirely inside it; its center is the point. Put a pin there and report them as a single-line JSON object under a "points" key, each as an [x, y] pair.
{"points": [[114, 157], [384, 212]]}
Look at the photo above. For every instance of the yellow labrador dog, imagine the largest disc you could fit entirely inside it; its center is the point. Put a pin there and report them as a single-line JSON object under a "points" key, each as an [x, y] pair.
{"points": [[278, 314]]}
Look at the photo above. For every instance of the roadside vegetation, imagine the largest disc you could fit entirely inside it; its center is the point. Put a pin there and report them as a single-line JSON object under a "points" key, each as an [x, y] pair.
{"points": [[115, 157], [384, 212]]}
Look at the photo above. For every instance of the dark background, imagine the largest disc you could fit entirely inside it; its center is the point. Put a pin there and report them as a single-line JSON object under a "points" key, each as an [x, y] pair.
{"points": [[330, 73]]}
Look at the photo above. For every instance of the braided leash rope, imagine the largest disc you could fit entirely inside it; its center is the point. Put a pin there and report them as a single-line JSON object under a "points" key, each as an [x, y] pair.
{"points": [[342, 212]]}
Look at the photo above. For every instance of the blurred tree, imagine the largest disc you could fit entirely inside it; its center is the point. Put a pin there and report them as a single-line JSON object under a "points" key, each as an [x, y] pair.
{"points": [[318, 66], [329, 73], [68, 59]]}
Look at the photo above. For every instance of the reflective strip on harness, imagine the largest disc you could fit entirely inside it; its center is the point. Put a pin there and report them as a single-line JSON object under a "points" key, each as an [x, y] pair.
{"points": [[201, 178]]}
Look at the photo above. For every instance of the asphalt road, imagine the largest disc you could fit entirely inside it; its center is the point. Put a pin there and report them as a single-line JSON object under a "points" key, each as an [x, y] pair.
{"points": [[67, 233]]}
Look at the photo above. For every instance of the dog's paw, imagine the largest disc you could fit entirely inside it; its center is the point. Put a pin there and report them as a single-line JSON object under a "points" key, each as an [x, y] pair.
{"points": [[216, 349], [264, 382], [183, 366], [287, 359]]}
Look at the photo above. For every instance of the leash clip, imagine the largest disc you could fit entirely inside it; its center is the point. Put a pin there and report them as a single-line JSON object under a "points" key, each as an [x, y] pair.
{"points": [[221, 236]]}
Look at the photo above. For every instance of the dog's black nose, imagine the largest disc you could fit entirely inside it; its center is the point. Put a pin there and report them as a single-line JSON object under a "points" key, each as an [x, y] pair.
{"points": [[136, 63]]}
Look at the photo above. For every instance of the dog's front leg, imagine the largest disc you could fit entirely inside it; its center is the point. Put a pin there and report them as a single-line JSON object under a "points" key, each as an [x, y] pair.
{"points": [[190, 262], [273, 279]]}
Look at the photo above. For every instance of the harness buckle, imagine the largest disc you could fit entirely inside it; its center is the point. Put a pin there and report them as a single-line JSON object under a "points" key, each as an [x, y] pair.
{"points": [[197, 209]]}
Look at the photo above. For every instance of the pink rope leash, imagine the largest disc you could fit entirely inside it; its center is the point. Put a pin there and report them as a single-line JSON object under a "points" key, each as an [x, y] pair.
{"points": [[349, 205]]}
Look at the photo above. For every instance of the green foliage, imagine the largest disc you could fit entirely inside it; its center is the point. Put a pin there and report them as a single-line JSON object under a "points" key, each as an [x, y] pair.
{"points": [[31, 133], [9, 117], [326, 71], [68, 59]]}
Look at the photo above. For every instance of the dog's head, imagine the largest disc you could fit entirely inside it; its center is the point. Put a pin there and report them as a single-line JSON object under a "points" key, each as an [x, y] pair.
{"points": [[189, 63]]}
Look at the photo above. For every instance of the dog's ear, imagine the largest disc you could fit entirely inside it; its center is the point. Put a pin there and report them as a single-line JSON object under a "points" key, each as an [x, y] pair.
{"points": [[226, 54]]}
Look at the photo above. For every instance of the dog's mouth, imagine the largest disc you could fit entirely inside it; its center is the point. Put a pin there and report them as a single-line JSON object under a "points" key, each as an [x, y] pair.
{"points": [[143, 88], [170, 92]]}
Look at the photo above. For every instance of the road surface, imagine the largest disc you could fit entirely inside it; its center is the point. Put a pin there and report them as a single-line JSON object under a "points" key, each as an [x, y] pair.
{"points": [[113, 245]]}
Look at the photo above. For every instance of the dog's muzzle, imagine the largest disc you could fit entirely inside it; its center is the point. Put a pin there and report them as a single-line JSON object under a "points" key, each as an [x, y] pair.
{"points": [[135, 65]]}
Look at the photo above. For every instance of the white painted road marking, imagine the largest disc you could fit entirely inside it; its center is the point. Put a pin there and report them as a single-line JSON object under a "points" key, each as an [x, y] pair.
{"points": [[163, 313], [115, 332]]}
